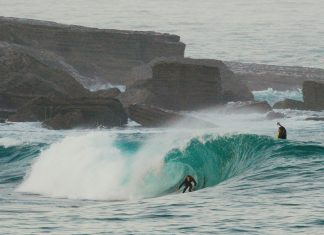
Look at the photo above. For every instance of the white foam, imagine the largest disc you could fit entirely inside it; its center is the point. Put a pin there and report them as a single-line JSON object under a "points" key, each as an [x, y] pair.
{"points": [[10, 142], [90, 167], [273, 96]]}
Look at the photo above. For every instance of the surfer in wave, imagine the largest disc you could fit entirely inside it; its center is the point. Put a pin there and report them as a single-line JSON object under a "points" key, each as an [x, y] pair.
{"points": [[187, 183]]}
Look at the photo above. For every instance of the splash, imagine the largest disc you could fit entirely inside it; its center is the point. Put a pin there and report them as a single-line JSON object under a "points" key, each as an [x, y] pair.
{"points": [[274, 96]]}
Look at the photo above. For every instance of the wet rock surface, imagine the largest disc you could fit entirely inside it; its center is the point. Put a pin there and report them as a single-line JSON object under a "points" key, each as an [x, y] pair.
{"points": [[150, 116], [184, 84], [289, 104], [66, 113], [97, 54], [313, 92]]}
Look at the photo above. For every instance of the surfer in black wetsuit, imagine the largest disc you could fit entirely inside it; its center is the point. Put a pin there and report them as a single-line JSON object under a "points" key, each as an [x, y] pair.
{"points": [[187, 183], [282, 133]]}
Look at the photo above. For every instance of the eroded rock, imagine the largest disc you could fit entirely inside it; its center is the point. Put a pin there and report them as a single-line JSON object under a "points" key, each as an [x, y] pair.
{"points": [[289, 104], [101, 54], [65, 113], [150, 116], [313, 92]]}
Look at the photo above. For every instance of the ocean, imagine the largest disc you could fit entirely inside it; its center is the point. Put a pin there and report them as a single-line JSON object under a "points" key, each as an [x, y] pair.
{"points": [[124, 180]]}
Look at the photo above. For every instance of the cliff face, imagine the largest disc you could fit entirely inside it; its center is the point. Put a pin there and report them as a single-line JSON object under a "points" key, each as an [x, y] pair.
{"points": [[150, 116], [22, 77], [66, 113], [184, 83], [313, 93], [177, 86], [106, 55], [42, 93]]}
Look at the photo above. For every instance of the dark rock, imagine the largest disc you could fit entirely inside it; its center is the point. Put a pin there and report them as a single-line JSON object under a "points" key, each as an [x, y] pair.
{"points": [[67, 120], [101, 54], [232, 89], [22, 78], [110, 93], [184, 84], [262, 77], [289, 104], [5, 113], [315, 119], [61, 113], [150, 116], [177, 86], [248, 107], [313, 93], [274, 115]]}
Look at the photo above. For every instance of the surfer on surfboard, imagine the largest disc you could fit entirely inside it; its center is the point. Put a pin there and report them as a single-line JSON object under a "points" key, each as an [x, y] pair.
{"points": [[187, 183]]}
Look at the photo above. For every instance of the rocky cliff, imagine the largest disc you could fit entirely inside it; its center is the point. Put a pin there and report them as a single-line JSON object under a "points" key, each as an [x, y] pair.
{"points": [[177, 86], [150, 116], [184, 83], [33, 91], [22, 77], [313, 93], [66, 113], [97, 54]]}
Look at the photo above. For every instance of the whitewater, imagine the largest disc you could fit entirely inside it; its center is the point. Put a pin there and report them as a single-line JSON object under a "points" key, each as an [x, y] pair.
{"points": [[124, 180]]}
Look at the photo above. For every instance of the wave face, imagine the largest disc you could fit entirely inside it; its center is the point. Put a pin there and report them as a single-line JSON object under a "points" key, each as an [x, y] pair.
{"points": [[111, 167], [14, 160]]}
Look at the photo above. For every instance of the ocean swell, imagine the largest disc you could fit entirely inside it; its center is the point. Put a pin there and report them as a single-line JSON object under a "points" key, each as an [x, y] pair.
{"points": [[100, 166]]}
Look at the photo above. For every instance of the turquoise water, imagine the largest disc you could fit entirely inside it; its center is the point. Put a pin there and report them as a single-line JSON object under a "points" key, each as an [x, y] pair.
{"points": [[123, 181], [273, 96]]}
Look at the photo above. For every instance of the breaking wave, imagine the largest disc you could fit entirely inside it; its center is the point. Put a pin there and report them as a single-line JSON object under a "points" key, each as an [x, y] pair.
{"points": [[102, 166]]}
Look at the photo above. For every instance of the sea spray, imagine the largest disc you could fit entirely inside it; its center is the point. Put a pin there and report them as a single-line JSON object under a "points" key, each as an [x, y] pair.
{"points": [[274, 96], [87, 167]]}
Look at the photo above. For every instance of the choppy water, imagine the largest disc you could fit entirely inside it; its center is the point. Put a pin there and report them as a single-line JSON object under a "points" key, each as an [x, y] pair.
{"points": [[123, 181]]}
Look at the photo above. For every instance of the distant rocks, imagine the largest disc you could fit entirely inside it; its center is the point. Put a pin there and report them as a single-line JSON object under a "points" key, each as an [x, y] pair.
{"points": [[179, 86], [262, 77], [99, 55], [248, 107], [289, 104], [274, 115], [313, 92], [47, 68], [109, 93], [150, 116], [184, 84], [43, 64], [22, 78], [5, 113], [66, 113]]}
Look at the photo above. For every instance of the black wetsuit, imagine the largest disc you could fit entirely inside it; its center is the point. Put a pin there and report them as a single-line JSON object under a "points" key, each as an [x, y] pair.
{"points": [[187, 183], [282, 133]]}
